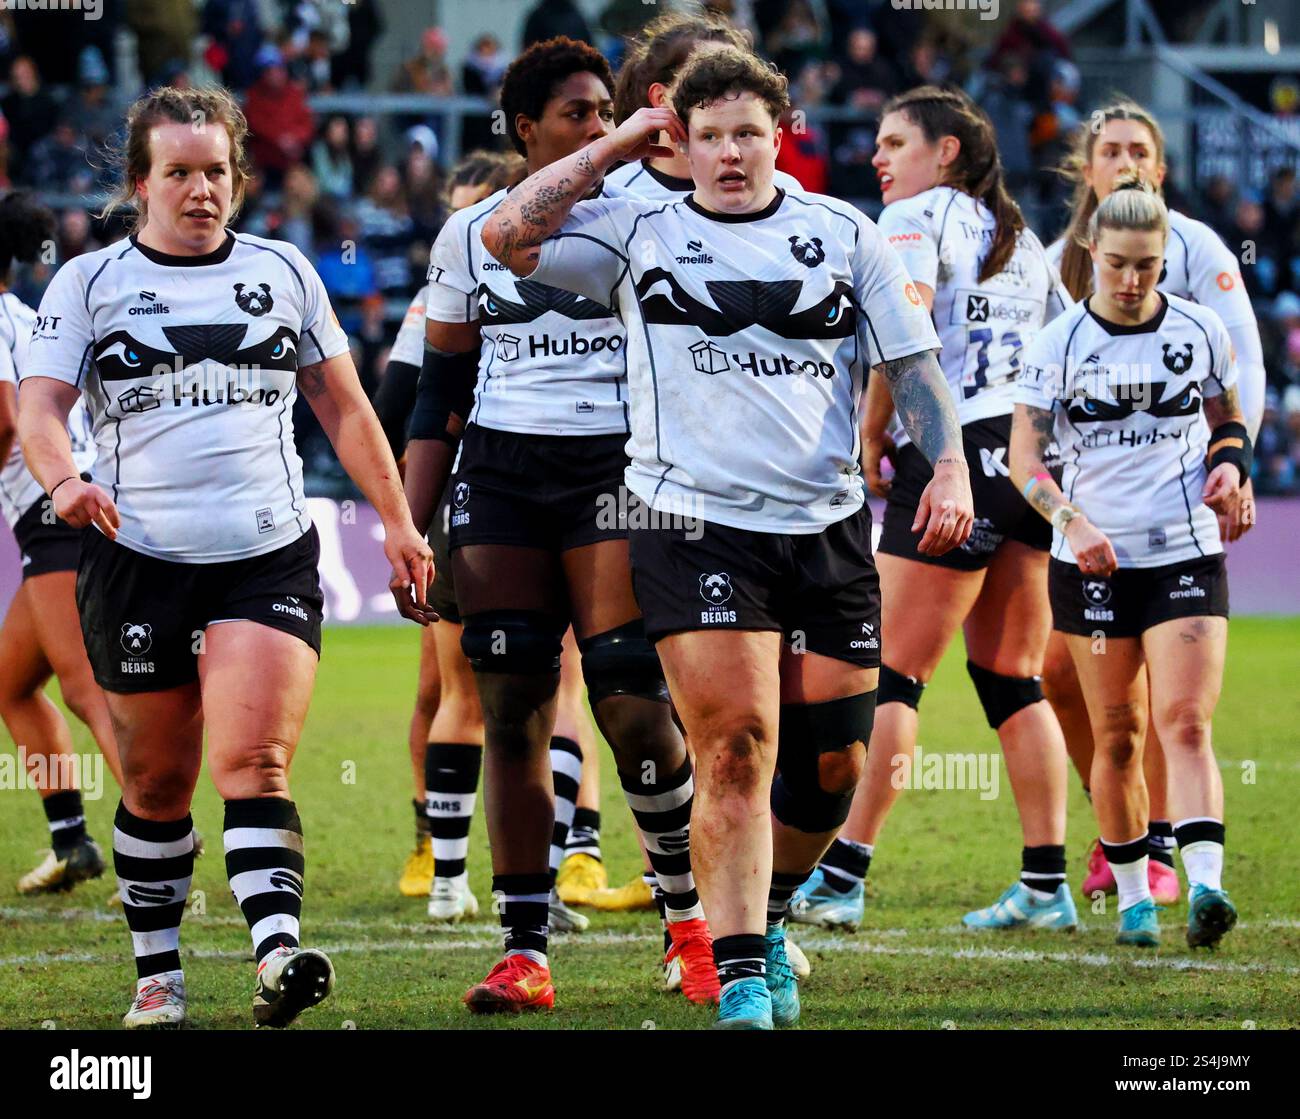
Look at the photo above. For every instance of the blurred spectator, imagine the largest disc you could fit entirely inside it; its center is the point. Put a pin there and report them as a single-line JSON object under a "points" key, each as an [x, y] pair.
{"points": [[29, 109], [58, 162], [798, 38], [427, 71], [366, 156], [1281, 211], [866, 80], [480, 76], [549, 18], [370, 342], [619, 22], [365, 25], [345, 265], [387, 231], [280, 121], [95, 112], [1005, 101], [313, 67], [74, 235], [1274, 469], [1051, 136], [298, 198], [1263, 275], [165, 31], [900, 32], [804, 151], [235, 30], [1216, 204], [331, 161], [422, 184], [1029, 34]]}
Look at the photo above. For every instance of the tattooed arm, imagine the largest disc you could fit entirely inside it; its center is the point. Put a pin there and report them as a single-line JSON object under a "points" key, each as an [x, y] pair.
{"points": [[924, 405], [538, 206], [1031, 434]]}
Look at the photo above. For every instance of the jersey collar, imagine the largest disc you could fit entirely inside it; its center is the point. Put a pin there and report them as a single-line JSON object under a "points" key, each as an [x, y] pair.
{"points": [[758, 215], [216, 256], [1149, 327], [668, 182]]}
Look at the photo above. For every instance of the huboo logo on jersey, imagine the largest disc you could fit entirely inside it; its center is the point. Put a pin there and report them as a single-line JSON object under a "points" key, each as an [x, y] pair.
{"points": [[715, 589], [136, 639]]}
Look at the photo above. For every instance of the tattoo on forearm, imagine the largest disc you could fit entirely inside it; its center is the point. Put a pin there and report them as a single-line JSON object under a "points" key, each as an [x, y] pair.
{"points": [[923, 403], [1219, 408], [538, 207], [1042, 423]]}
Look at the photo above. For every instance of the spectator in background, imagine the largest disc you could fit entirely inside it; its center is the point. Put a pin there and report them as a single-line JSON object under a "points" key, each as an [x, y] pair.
{"points": [[331, 160], [94, 110], [1217, 203], [865, 79], [365, 25], [1006, 102], [387, 232], [165, 31], [235, 30], [1031, 37], [345, 264], [422, 186], [804, 151], [1050, 139], [797, 40], [480, 76], [58, 162], [280, 121], [298, 197], [1274, 469], [313, 67], [901, 32], [366, 156], [31, 112], [427, 71], [1263, 276], [549, 18], [74, 235], [1281, 212]]}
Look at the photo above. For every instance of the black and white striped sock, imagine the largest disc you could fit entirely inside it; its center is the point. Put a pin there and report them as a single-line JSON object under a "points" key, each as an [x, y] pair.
{"points": [[662, 810], [67, 820], [584, 834], [1160, 842], [265, 865], [566, 769], [845, 864], [451, 772], [522, 900], [154, 862], [778, 894], [743, 956]]}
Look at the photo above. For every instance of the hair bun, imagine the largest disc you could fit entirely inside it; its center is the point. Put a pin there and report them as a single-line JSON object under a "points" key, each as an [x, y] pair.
{"points": [[1132, 179]]}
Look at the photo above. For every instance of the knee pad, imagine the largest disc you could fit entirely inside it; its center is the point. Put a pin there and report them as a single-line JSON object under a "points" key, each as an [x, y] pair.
{"points": [[808, 731], [622, 662], [525, 642], [1002, 696], [897, 688]]}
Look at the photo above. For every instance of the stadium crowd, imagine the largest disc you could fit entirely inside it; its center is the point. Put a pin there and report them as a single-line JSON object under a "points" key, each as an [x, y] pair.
{"points": [[361, 195]]}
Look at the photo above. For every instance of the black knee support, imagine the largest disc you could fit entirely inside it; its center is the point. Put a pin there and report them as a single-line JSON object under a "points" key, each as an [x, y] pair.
{"points": [[809, 730], [526, 642], [1002, 696], [897, 688], [622, 662]]}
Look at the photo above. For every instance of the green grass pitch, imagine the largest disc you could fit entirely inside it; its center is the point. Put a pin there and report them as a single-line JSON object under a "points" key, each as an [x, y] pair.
{"points": [[66, 960]]}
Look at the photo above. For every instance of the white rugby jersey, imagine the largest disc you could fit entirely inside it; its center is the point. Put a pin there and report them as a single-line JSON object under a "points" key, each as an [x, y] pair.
{"points": [[188, 365], [1200, 267], [19, 490], [1130, 425], [645, 181], [408, 346], [942, 236], [551, 362], [749, 338]]}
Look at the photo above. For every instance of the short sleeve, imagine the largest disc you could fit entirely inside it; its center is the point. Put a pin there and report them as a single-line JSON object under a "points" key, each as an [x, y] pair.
{"points": [[63, 332], [586, 255], [1041, 380], [911, 236], [322, 337], [452, 288], [894, 322]]}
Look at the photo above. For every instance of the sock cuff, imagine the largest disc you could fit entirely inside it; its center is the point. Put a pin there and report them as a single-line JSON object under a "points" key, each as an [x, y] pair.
{"points": [[521, 885], [585, 818], [263, 812], [789, 881], [1199, 830], [1130, 851], [565, 745], [152, 831], [1163, 828], [740, 946], [63, 805]]}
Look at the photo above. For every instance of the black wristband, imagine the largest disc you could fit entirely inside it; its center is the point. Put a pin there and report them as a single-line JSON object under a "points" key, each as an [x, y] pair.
{"points": [[445, 395], [69, 478], [1230, 442]]}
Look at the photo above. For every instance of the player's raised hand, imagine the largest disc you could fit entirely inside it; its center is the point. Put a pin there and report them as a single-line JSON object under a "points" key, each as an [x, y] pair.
{"points": [[1092, 549], [82, 503], [635, 138], [946, 511], [412, 561]]}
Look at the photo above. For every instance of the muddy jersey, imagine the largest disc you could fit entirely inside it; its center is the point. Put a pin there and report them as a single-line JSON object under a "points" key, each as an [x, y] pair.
{"points": [[188, 366], [1129, 420], [749, 337], [551, 362]]}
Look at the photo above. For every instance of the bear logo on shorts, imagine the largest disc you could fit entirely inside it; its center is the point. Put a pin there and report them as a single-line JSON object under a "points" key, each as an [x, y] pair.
{"points": [[253, 301], [808, 252], [715, 589], [137, 640], [1177, 361], [1096, 592], [461, 494]]}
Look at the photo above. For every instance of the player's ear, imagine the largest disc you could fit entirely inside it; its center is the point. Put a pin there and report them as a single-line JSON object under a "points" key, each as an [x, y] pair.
{"points": [[949, 149], [777, 133], [525, 126], [657, 95]]}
